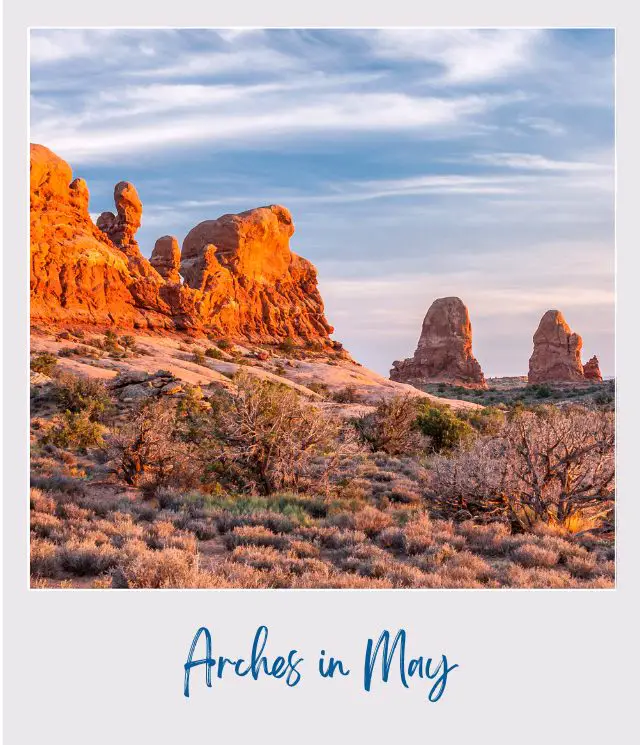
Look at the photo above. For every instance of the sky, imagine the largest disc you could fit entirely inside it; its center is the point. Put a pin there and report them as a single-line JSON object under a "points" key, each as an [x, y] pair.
{"points": [[417, 163]]}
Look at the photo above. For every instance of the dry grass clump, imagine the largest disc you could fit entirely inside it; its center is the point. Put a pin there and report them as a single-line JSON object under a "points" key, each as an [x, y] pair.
{"points": [[371, 520], [86, 558], [169, 567], [530, 555]]}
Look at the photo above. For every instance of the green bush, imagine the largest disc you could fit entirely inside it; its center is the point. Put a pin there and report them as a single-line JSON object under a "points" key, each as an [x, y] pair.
{"points": [[199, 358], [78, 395], [75, 430], [446, 430], [44, 363], [213, 353]]}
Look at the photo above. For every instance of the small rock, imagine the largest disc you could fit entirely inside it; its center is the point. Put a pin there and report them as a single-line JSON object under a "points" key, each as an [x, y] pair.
{"points": [[136, 392], [169, 389], [38, 378]]}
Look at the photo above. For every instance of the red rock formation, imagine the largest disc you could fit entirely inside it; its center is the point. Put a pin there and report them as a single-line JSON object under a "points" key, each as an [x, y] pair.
{"points": [[165, 258], [444, 353], [592, 369], [249, 282], [76, 274], [556, 352], [241, 278]]}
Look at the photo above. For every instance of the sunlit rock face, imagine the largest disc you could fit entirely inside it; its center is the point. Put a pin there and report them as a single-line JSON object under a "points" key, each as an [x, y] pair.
{"points": [[241, 278]]}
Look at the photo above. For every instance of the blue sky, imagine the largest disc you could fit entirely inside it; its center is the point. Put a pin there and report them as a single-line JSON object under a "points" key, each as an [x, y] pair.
{"points": [[416, 163]]}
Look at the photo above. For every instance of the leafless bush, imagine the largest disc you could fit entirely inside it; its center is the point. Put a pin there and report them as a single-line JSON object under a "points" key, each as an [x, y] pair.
{"points": [[267, 437], [391, 427], [549, 466], [144, 450]]}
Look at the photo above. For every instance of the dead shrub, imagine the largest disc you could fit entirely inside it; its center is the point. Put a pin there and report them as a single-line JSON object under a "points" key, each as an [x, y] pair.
{"points": [[267, 437], [145, 450], [545, 466], [391, 427]]}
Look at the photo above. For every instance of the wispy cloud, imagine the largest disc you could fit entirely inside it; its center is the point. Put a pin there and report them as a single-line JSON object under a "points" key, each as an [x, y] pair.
{"points": [[93, 138], [462, 56]]}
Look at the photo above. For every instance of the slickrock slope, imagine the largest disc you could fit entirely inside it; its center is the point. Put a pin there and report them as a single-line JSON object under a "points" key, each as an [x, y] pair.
{"points": [[556, 352], [592, 369], [444, 353], [168, 352], [241, 279]]}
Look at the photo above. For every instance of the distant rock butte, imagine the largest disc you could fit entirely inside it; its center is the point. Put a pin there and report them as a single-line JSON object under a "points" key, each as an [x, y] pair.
{"points": [[444, 352], [556, 352], [592, 370], [241, 279]]}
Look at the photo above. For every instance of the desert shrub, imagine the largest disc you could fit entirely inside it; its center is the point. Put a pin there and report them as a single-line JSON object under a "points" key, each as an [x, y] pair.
{"points": [[110, 343], [198, 357], [288, 345], [44, 363], [40, 502], [213, 353], [267, 437], [85, 395], [418, 535], [445, 430], [530, 555], [144, 450], [391, 428], [545, 466], [255, 535], [488, 420], [470, 565], [166, 568], [346, 395], [128, 342], [320, 388], [371, 520], [44, 558], [75, 431], [84, 557]]}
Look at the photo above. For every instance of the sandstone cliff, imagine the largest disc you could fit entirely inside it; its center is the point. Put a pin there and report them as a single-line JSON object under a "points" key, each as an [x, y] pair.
{"points": [[241, 279], [444, 352]]}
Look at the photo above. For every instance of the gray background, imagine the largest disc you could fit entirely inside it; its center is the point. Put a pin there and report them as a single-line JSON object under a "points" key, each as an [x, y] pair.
{"points": [[106, 666]]}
